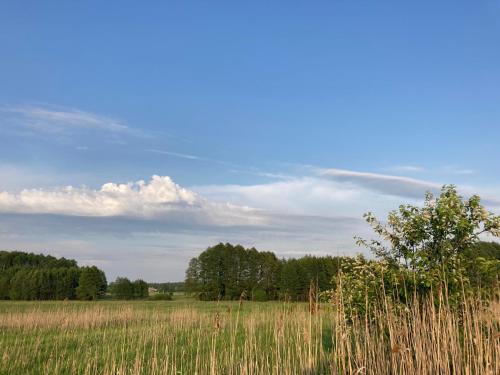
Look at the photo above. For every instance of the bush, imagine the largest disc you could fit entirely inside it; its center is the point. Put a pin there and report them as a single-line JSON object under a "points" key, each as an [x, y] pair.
{"points": [[422, 251], [161, 297], [259, 295]]}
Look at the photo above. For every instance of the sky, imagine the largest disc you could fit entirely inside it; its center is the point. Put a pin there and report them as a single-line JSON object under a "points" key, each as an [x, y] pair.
{"points": [[134, 136]]}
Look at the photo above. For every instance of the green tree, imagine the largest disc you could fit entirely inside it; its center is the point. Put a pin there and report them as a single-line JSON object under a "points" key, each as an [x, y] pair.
{"points": [[66, 283], [431, 243], [193, 280], [31, 276], [227, 272], [122, 288], [482, 264], [140, 288], [91, 284]]}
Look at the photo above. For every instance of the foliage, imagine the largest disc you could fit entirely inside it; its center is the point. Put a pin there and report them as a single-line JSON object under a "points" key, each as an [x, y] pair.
{"points": [[27, 276], [161, 297], [92, 283], [297, 274], [19, 259], [259, 295], [168, 286], [225, 271], [482, 265], [125, 289], [424, 250]]}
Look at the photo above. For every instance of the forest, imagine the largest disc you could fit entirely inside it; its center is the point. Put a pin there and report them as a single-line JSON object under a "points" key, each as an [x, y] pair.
{"points": [[28, 276], [221, 272], [227, 272]]}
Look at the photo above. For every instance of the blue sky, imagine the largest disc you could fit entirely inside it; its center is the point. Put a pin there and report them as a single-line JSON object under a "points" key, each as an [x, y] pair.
{"points": [[277, 124]]}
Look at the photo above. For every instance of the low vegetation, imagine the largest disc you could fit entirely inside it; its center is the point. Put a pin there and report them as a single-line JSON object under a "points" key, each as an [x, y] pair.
{"points": [[112, 337]]}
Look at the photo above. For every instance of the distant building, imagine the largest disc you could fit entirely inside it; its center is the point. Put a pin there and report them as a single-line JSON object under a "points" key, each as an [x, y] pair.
{"points": [[152, 290]]}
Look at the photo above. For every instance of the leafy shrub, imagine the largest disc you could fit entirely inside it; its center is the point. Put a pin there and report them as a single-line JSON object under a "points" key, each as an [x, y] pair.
{"points": [[259, 295], [422, 251], [161, 297]]}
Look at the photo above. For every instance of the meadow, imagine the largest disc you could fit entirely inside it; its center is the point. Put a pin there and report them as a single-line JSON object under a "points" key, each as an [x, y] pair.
{"points": [[192, 337]]}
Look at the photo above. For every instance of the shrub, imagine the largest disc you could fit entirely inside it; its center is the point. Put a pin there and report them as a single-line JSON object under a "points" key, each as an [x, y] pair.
{"points": [[259, 295], [161, 297], [422, 251]]}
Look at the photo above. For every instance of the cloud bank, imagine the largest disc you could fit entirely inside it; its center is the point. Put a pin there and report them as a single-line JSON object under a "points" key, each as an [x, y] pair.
{"points": [[151, 229], [141, 199], [160, 200]]}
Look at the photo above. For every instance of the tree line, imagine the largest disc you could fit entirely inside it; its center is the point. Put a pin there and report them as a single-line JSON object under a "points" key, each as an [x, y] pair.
{"points": [[123, 288], [168, 287], [229, 272], [28, 276]]}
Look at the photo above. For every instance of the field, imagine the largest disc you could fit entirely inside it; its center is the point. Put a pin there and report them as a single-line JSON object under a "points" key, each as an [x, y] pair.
{"points": [[190, 337]]}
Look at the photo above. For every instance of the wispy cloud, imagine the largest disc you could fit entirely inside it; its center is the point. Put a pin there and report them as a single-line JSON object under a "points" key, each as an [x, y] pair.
{"points": [[452, 170], [56, 120], [458, 171], [192, 157], [406, 168], [404, 187], [383, 183], [294, 196], [176, 154]]}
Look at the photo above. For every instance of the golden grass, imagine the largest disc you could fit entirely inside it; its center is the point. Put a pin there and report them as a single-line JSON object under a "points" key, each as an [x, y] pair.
{"points": [[258, 338]]}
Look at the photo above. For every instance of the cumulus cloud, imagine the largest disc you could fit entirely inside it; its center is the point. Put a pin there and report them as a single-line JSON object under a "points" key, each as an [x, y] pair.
{"points": [[158, 198]]}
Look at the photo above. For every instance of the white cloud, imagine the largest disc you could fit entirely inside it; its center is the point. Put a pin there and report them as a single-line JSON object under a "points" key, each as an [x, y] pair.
{"points": [[151, 229], [405, 187], [406, 168], [51, 120], [336, 193], [158, 199], [458, 171], [176, 154], [386, 184], [132, 199], [298, 196]]}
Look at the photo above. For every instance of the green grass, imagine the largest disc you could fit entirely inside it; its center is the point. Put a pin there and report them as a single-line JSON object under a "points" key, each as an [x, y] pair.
{"points": [[181, 336], [192, 337]]}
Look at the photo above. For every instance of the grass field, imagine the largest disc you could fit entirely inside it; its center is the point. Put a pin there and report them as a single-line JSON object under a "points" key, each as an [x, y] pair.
{"points": [[190, 337]]}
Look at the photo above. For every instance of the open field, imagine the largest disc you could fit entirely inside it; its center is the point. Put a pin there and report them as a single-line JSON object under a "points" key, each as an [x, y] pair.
{"points": [[190, 337]]}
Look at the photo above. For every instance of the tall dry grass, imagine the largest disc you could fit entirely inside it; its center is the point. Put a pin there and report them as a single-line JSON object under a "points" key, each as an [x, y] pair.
{"points": [[247, 338]]}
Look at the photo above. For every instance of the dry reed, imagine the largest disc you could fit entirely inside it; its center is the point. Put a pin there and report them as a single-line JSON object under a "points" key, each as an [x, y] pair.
{"points": [[249, 338]]}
